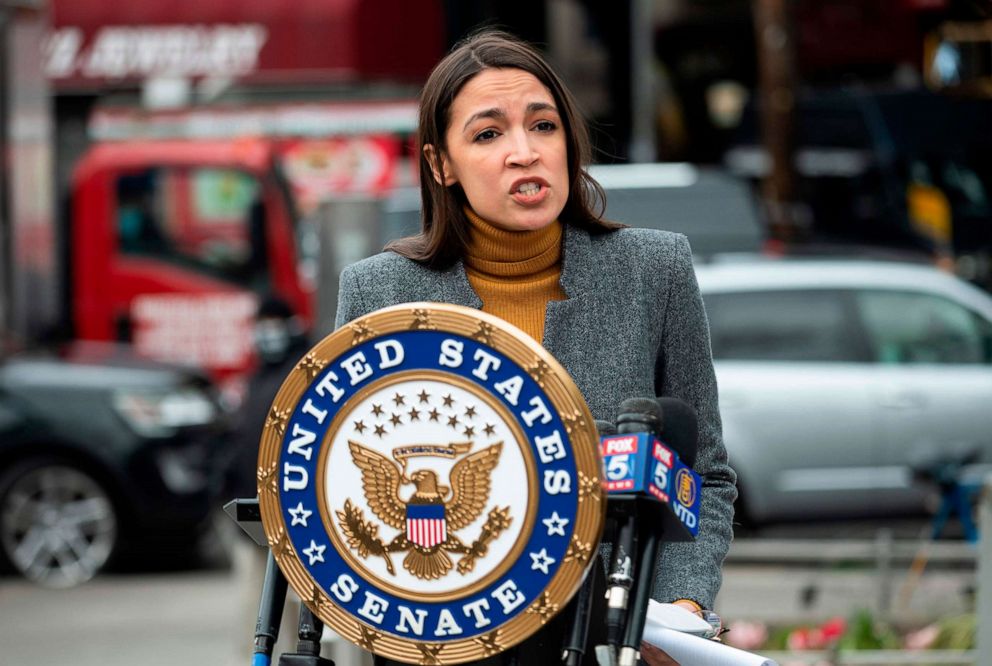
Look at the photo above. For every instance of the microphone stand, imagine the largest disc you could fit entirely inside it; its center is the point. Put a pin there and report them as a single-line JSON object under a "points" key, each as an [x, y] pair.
{"points": [[308, 648], [245, 512], [270, 607], [649, 542], [575, 642], [622, 571]]}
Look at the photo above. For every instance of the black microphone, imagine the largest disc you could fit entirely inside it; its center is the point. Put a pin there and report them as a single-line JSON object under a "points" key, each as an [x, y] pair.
{"points": [[679, 431], [605, 428], [637, 415]]}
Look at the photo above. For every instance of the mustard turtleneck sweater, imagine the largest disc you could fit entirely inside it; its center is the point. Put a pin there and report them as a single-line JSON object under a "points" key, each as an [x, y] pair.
{"points": [[515, 273]]}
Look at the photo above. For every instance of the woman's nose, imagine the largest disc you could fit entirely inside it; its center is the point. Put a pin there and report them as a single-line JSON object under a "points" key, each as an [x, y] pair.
{"points": [[522, 151]]}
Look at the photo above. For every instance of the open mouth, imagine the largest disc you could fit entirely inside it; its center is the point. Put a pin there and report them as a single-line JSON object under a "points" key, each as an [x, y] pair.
{"points": [[529, 191]]}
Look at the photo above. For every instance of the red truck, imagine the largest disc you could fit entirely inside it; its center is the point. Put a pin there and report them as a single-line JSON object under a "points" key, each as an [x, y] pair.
{"points": [[172, 241]]}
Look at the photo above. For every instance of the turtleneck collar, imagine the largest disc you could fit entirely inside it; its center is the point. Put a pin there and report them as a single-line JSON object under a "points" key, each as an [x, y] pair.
{"points": [[511, 254]]}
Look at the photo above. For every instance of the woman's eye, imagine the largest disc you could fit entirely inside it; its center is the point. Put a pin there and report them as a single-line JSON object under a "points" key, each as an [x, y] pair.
{"points": [[545, 126], [486, 135]]}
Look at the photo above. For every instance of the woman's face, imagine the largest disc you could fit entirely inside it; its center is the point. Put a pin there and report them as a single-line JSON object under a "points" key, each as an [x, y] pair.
{"points": [[506, 148]]}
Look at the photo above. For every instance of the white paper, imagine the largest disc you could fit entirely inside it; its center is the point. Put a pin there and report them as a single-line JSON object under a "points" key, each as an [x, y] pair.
{"points": [[687, 649], [673, 616], [665, 628]]}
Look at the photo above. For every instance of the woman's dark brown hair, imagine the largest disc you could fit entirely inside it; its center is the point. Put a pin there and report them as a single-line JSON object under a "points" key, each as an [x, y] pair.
{"points": [[443, 234]]}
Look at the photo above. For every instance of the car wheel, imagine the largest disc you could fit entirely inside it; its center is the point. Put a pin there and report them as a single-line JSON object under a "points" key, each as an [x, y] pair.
{"points": [[58, 525]]}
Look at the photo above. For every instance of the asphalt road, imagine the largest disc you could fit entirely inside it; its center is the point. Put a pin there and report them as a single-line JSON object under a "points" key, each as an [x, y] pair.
{"points": [[141, 619], [149, 619]]}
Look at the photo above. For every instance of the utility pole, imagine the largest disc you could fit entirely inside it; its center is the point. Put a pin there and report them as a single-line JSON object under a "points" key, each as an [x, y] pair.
{"points": [[774, 37], [643, 139], [29, 274]]}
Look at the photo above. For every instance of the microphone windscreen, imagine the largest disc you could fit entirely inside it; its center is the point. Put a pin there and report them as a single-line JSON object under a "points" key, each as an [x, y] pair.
{"points": [[639, 415], [605, 428], [679, 429]]}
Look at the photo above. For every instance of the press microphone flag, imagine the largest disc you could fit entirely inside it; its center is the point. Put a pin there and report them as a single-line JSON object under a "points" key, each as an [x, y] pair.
{"points": [[638, 464]]}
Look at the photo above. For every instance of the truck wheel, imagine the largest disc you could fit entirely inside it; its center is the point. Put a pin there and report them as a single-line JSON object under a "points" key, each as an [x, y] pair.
{"points": [[58, 525]]}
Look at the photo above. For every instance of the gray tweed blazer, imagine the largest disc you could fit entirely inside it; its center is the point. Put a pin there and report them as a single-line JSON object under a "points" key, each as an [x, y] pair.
{"points": [[632, 325]]}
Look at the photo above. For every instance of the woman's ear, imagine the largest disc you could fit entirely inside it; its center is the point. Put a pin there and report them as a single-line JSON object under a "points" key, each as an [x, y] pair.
{"points": [[438, 166]]}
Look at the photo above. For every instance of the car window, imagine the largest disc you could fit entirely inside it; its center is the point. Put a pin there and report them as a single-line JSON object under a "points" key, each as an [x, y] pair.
{"points": [[907, 328], [794, 325]]}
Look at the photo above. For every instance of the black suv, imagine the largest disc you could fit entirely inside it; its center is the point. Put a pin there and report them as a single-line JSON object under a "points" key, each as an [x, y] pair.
{"points": [[102, 457]]}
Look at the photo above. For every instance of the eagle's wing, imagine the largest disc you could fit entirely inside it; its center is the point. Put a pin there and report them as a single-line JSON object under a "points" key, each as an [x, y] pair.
{"points": [[381, 483], [471, 480]]}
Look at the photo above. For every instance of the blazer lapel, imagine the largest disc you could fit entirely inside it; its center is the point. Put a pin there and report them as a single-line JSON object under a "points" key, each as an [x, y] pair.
{"points": [[453, 287], [568, 323]]}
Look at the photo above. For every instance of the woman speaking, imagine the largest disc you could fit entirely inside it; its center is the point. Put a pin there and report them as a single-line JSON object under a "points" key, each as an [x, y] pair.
{"points": [[512, 225]]}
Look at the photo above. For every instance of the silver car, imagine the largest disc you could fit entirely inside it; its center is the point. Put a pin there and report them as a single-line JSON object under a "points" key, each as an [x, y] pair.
{"points": [[835, 375]]}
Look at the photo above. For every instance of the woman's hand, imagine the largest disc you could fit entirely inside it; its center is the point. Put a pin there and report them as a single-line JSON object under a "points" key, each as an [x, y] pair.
{"points": [[654, 656]]}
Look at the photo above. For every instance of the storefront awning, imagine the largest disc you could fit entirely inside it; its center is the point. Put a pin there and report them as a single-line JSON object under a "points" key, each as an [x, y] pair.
{"points": [[96, 44]]}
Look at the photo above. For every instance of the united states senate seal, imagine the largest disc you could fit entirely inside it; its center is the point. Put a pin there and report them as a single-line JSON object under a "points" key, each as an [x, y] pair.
{"points": [[430, 483]]}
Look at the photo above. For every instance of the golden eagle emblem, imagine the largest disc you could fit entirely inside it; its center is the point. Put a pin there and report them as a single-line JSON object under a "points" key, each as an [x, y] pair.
{"points": [[428, 519]]}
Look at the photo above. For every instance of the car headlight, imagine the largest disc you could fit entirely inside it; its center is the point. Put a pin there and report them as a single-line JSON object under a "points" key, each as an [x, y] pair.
{"points": [[161, 413]]}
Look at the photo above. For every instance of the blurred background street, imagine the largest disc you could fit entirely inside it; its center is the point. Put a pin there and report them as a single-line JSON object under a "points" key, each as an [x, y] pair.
{"points": [[203, 615]]}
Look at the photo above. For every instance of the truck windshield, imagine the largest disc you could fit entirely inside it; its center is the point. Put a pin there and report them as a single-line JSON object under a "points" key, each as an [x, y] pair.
{"points": [[209, 220]]}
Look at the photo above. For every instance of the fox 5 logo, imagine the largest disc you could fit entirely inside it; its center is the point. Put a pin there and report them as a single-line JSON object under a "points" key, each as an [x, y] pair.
{"points": [[661, 476], [618, 467]]}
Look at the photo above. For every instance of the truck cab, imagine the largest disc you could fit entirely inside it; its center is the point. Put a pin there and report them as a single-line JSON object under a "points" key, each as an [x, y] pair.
{"points": [[171, 244]]}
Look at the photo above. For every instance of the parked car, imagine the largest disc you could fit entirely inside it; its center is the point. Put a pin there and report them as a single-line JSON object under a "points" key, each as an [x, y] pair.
{"points": [[714, 208], [835, 376], [100, 458]]}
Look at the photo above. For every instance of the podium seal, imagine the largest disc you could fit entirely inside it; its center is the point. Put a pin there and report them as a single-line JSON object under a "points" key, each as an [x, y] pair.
{"points": [[430, 483]]}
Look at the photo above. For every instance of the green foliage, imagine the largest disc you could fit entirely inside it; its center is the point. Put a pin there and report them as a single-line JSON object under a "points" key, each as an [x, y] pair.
{"points": [[865, 633], [777, 638], [957, 633]]}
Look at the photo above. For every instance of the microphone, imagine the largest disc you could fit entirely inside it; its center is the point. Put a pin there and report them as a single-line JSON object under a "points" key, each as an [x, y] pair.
{"points": [[668, 478], [605, 428], [681, 430], [638, 416], [642, 465], [575, 640]]}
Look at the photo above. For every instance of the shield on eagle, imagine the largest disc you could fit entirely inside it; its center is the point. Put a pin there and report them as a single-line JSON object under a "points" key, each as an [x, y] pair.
{"points": [[425, 524]]}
